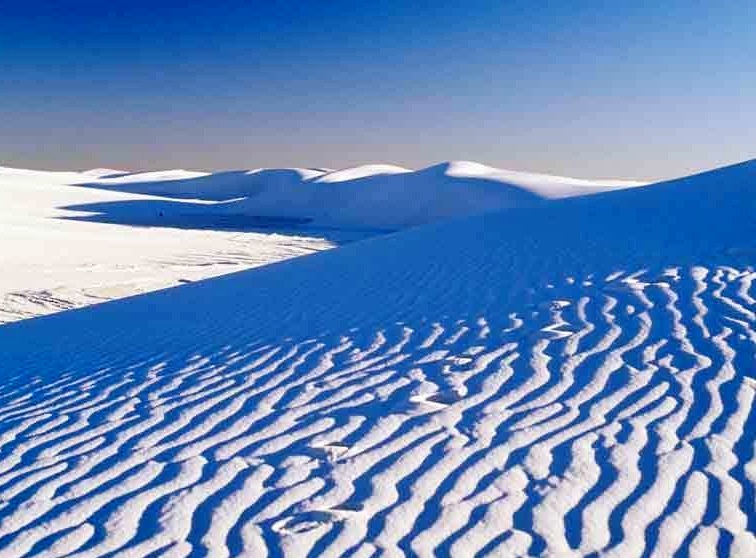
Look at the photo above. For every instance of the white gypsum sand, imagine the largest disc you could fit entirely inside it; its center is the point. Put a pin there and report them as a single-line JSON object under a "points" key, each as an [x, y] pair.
{"points": [[567, 378]]}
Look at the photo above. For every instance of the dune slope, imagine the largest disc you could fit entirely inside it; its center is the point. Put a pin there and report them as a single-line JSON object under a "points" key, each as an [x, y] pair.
{"points": [[564, 379]]}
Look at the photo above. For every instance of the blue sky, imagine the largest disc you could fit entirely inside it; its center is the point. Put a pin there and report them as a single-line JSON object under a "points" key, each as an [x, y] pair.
{"points": [[596, 89]]}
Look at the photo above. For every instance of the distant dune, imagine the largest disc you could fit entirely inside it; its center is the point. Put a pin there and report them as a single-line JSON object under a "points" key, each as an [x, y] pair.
{"points": [[78, 238], [369, 196]]}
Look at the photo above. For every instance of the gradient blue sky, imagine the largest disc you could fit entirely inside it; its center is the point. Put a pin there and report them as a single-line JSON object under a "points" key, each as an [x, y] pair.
{"points": [[592, 89]]}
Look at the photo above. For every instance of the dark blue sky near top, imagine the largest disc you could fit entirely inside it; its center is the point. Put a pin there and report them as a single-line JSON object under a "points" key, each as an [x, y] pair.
{"points": [[591, 89]]}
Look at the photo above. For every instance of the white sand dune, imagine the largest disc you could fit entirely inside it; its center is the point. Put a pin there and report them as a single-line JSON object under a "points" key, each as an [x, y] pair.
{"points": [[365, 197], [75, 238], [567, 379]]}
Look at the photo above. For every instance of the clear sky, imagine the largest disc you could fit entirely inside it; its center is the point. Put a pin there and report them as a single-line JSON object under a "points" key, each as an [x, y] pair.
{"points": [[636, 89]]}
